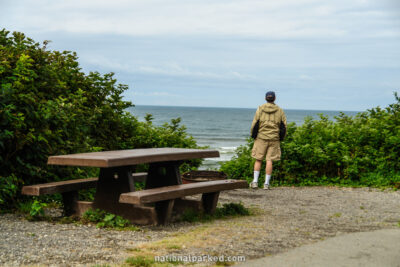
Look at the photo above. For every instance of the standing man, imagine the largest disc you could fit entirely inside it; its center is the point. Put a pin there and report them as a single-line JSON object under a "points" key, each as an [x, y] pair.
{"points": [[267, 143]]}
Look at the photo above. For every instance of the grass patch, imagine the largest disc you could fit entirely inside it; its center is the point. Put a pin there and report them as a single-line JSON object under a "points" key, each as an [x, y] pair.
{"points": [[224, 263], [227, 210], [173, 247], [147, 261], [302, 211], [336, 215], [201, 238], [140, 261], [232, 209]]}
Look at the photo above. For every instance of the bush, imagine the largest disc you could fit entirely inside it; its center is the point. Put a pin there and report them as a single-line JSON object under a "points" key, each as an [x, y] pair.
{"points": [[48, 106], [8, 191], [359, 150], [37, 209], [103, 219]]}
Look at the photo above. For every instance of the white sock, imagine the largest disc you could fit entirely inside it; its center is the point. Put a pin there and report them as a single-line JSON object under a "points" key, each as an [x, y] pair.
{"points": [[267, 178], [256, 175]]}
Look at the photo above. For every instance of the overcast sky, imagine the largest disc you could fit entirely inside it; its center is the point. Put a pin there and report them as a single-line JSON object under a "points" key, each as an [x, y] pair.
{"points": [[326, 55]]}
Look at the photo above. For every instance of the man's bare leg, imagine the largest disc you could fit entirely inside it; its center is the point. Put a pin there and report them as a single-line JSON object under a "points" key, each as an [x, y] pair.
{"points": [[268, 168], [268, 172], [257, 168], [257, 165]]}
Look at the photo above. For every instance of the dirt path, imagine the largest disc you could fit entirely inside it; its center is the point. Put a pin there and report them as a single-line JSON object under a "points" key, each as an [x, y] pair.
{"points": [[286, 217]]}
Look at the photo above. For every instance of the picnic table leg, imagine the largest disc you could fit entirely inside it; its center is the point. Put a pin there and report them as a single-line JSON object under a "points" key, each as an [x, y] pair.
{"points": [[164, 210], [163, 174], [111, 184], [167, 173], [210, 201], [70, 200]]}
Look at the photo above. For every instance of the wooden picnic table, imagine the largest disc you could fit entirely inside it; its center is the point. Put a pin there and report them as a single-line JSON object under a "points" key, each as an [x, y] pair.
{"points": [[116, 177], [115, 187]]}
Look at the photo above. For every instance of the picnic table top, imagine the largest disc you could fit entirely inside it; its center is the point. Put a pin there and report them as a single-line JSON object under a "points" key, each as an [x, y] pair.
{"points": [[129, 157]]}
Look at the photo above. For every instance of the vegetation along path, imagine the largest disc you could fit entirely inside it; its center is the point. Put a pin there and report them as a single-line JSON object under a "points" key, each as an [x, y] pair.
{"points": [[285, 218]]}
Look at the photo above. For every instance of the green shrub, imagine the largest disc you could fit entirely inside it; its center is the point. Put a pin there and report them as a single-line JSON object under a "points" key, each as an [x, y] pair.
{"points": [[103, 219], [37, 209], [48, 106], [8, 191], [359, 150], [24, 207]]}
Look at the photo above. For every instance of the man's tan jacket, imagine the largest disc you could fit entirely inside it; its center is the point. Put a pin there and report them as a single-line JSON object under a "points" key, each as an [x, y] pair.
{"points": [[270, 116]]}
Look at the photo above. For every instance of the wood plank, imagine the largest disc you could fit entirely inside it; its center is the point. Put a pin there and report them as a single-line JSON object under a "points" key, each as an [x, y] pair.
{"points": [[59, 187], [178, 191], [70, 185], [131, 157], [210, 201], [139, 176], [82, 207]]}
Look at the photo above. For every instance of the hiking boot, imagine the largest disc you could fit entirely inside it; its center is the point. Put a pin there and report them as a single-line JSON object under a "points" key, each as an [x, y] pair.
{"points": [[266, 187], [253, 185]]}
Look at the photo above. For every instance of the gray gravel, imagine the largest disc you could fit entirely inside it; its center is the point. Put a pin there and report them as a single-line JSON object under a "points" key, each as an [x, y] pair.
{"points": [[287, 217], [25, 242], [293, 216]]}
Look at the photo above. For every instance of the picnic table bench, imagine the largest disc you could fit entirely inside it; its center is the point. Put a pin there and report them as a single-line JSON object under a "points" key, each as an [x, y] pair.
{"points": [[164, 197], [69, 191], [115, 186]]}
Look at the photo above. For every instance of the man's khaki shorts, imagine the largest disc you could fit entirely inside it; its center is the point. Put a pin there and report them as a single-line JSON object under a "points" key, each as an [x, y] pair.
{"points": [[271, 150]]}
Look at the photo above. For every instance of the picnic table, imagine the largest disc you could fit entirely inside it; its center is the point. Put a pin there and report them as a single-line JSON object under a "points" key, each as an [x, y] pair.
{"points": [[115, 186]]}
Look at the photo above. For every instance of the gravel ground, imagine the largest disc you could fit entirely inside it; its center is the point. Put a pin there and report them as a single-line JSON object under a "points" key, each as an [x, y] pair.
{"points": [[286, 217]]}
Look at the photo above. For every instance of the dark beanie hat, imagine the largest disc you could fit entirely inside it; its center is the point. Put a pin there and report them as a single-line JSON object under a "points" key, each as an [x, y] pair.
{"points": [[270, 95]]}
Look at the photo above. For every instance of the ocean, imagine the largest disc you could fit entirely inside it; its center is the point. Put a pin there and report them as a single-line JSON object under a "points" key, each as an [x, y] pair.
{"points": [[223, 129]]}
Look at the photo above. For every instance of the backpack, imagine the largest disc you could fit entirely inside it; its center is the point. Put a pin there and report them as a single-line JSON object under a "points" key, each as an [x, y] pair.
{"points": [[282, 131], [254, 133]]}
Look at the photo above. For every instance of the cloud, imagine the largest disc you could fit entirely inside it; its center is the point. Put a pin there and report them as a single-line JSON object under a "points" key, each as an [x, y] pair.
{"points": [[174, 69], [166, 69], [306, 77], [226, 52], [158, 94], [251, 18]]}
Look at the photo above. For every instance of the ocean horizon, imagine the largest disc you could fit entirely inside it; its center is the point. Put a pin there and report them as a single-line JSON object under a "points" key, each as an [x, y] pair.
{"points": [[220, 128], [204, 107]]}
